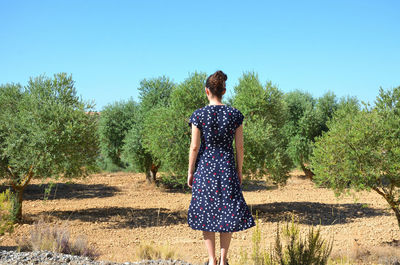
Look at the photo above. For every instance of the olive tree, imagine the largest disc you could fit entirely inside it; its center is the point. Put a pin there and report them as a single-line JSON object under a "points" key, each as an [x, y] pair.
{"points": [[116, 119], [307, 119], [46, 131], [265, 115], [361, 149], [166, 131], [153, 94], [301, 127], [326, 105]]}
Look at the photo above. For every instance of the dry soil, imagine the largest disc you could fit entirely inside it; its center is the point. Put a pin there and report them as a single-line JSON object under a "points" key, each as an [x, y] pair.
{"points": [[119, 211]]}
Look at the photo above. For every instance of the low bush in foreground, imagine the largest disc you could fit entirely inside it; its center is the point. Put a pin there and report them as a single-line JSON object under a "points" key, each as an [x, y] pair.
{"points": [[56, 238], [290, 247]]}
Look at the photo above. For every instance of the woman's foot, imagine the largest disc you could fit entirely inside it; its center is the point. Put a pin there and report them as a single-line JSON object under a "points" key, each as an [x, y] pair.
{"points": [[222, 262], [212, 261]]}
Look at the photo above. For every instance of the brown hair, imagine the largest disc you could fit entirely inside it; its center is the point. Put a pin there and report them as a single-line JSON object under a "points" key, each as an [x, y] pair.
{"points": [[216, 83]]}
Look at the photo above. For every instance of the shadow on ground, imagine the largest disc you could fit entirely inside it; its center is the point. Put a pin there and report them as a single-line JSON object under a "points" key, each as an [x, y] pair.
{"points": [[393, 243], [121, 217], [8, 248], [247, 185], [67, 191], [315, 213], [257, 185]]}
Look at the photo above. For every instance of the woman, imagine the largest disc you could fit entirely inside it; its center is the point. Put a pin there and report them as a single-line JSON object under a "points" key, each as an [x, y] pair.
{"points": [[217, 203]]}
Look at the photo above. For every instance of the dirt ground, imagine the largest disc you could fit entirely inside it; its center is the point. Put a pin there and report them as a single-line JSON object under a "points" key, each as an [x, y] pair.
{"points": [[119, 211]]}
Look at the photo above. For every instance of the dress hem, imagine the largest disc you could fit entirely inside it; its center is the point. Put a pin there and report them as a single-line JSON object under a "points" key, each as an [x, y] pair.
{"points": [[221, 231]]}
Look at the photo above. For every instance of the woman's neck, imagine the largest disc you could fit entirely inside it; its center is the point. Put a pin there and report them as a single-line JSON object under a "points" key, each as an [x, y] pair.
{"points": [[215, 102]]}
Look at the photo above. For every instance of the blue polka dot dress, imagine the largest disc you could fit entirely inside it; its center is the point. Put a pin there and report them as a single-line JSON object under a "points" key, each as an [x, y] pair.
{"points": [[217, 203]]}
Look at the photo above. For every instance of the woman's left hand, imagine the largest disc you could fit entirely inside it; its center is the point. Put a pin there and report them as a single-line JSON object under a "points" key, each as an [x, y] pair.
{"points": [[190, 180]]}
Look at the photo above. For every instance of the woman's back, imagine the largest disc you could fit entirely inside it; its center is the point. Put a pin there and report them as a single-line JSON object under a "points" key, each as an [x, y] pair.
{"points": [[217, 202], [217, 124]]}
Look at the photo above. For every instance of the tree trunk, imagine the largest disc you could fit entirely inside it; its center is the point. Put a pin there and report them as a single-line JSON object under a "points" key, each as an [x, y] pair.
{"points": [[17, 203], [151, 173], [19, 187], [397, 213], [309, 174], [394, 204]]}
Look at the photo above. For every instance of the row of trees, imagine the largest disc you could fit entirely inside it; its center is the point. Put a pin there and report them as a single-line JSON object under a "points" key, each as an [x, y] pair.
{"points": [[339, 143], [47, 131], [152, 134]]}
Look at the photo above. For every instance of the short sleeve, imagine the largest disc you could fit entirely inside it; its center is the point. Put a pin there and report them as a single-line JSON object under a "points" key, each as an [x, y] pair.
{"points": [[239, 119], [195, 119]]}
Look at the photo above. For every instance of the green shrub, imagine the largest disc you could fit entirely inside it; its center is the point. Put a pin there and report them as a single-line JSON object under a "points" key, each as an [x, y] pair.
{"points": [[292, 249], [56, 238], [6, 212], [312, 249], [259, 256]]}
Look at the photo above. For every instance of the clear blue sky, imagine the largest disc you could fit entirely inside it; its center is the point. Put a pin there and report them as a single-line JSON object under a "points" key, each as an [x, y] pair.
{"points": [[349, 47]]}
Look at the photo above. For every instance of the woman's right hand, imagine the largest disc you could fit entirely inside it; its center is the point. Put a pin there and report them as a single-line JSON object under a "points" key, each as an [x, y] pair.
{"points": [[190, 179], [240, 175]]}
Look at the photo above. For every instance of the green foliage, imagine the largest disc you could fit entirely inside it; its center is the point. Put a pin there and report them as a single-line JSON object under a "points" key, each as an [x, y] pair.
{"points": [[16, 207], [324, 109], [313, 249], [45, 125], [153, 93], [352, 154], [133, 151], [46, 130], [106, 164], [307, 120], [115, 121], [259, 255], [361, 150], [6, 212], [166, 131], [351, 104], [56, 238], [174, 182], [301, 126], [265, 116], [291, 249]]}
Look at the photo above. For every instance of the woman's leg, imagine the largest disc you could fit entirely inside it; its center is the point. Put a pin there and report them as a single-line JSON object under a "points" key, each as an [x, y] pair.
{"points": [[225, 240], [209, 240]]}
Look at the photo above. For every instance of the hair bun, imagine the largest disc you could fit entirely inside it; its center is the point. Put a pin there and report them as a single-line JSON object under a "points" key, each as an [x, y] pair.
{"points": [[221, 75], [216, 83]]}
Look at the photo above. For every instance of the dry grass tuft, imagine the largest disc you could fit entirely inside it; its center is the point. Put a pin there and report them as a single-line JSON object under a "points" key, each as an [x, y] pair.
{"points": [[147, 251], [388, 255], [56, 238]]}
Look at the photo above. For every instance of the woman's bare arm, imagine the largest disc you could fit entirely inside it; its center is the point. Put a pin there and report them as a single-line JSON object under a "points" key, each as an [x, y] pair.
{"points": [[239, 151], [194, 149]]}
